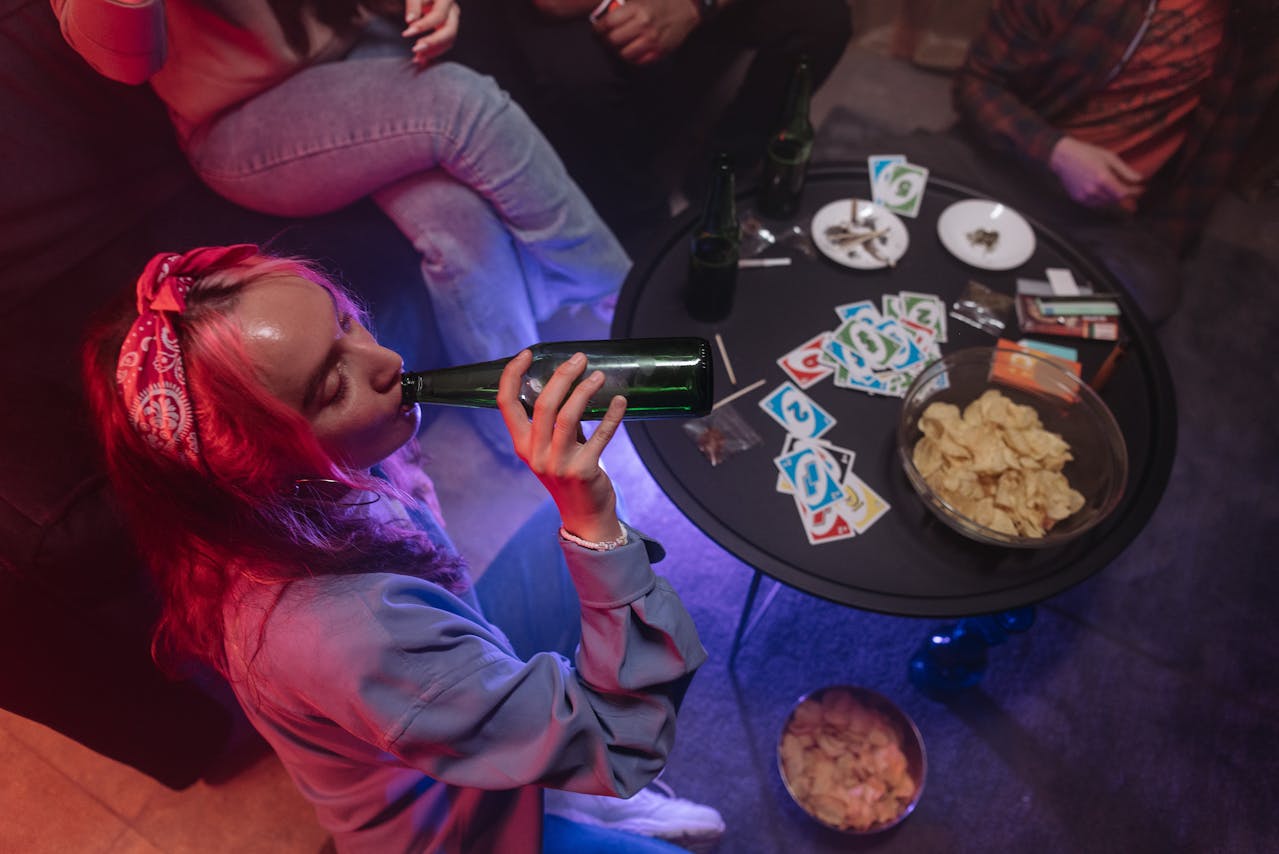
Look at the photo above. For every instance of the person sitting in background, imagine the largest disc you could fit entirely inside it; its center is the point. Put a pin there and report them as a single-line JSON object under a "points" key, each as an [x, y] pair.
{"points": [[298, 108], [611, 86], [1139, 108], [244, 409]]}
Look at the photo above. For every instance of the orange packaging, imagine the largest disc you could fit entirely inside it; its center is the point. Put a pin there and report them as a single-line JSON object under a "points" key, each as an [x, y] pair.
{"points": [[1012, 366]]}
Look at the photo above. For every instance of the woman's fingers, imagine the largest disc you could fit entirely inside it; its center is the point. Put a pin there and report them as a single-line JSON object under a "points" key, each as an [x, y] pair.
{"points": [[607, 428], [547, 407], [438, 31], [568, 421], [508, 399]]}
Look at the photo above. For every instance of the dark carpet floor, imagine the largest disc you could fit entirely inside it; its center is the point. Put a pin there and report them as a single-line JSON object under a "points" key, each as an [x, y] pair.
{"points": [[1137, 715]]}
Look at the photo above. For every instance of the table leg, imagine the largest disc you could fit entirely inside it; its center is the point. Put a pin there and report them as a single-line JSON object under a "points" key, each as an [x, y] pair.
{"points": [[745, 623], [954, 655]]}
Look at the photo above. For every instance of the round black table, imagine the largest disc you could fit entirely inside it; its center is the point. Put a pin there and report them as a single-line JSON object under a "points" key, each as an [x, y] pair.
{"points": [[908, 563]]}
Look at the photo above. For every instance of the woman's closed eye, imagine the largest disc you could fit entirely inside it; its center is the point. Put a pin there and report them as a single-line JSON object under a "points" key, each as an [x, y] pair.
{"points": [[335, 387]]}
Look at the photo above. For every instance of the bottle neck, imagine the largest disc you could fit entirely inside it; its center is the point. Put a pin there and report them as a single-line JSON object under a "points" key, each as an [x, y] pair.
{"points": [[798, 100], [720, 216], [464, 385]]}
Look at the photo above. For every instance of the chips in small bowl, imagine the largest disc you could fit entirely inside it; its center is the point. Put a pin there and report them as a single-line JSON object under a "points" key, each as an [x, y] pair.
{"points": [[1030, 458], [852, 759]]}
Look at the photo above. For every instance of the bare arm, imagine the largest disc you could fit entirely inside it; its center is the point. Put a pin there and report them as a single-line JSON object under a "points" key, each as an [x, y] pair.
{"points": [[121, 39]]}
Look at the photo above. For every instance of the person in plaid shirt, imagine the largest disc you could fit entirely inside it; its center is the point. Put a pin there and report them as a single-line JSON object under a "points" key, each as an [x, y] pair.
{"points": [[1138, 108]]}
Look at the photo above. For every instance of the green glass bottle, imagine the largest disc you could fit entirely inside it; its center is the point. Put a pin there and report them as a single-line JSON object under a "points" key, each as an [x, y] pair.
{"points": [[789, 149], [659, 377], [713, 254]]}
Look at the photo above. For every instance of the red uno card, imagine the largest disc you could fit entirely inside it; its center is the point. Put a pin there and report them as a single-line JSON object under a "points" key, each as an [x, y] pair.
{"points": [[804, 364], [826, 526]]}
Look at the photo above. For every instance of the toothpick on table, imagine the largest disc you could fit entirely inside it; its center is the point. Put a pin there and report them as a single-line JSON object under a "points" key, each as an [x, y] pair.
{"points": [[750, 388], [728, 365]]}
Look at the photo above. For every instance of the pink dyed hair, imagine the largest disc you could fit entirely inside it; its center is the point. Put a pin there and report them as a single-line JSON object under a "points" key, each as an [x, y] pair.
{"points": [[201, 529]]}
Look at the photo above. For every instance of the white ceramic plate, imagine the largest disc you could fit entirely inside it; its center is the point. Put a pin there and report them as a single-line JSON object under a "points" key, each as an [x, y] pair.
{"points": [[959, 226], [871, 217]]}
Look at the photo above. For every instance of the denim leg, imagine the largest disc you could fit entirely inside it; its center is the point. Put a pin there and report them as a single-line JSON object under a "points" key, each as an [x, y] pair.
{"points": [[339, 131], [527, 593]]}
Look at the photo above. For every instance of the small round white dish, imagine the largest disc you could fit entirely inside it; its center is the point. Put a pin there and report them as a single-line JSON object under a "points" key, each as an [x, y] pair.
{"points": [[836, 229], [986, 234]]}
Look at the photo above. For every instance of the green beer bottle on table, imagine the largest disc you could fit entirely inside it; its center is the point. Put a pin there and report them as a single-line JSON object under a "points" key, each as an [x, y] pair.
{"points": [[789, 149], [713, 254], [659, 377]]}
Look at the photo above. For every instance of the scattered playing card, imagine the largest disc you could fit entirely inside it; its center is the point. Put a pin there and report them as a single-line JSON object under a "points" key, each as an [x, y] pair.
{"points": [[797, 412], [900, 188], [925, 309], [862, 506], [825, 526], [876, 163], [804, 364], [814, 482]]}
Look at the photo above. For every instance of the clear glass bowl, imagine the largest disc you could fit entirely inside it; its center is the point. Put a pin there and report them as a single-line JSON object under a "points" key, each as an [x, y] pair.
{"points": [[909, 741], [1066, 405]]}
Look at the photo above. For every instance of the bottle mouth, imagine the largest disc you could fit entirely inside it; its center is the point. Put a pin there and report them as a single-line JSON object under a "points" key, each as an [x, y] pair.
{"points": [[407, 391]]}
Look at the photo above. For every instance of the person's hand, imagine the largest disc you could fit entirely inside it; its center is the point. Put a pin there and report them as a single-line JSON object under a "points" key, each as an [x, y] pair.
{"points": [[645, 31], [1095, 177], [433, 23], [550, 444]]}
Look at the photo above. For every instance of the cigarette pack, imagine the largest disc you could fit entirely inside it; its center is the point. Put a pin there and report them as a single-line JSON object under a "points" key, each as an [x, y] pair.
{"points": [[1033, 321]]}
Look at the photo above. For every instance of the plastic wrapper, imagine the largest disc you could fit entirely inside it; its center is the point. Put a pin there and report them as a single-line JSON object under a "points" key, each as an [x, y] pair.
{"points": [[980, 307], [758, 238], [722, 434]]}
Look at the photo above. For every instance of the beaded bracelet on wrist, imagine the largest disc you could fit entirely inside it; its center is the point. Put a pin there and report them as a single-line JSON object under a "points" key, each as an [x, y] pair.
{"points": [[606, 546]]}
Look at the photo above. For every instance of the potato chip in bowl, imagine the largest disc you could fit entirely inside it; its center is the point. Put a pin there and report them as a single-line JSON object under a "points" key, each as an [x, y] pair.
{"points": [[852, 759]]}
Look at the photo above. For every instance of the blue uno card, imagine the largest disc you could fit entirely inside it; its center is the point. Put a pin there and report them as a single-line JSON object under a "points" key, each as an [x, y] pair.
{"points": [[815, 481], [798, 413]]}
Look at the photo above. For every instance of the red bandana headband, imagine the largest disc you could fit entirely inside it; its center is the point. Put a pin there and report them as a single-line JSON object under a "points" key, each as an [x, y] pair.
{"points": [[150, 373]]}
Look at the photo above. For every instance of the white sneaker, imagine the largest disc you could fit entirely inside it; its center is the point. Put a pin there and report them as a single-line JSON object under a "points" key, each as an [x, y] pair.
{"points": [[652, 811]]}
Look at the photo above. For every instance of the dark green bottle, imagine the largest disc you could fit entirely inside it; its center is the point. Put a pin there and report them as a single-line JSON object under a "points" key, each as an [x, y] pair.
{"points": [[659, 377], [712, 269], [789, 149]]}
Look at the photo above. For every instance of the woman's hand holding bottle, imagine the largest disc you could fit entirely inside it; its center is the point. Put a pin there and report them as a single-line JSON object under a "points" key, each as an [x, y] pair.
{"points": [[549, 443]]}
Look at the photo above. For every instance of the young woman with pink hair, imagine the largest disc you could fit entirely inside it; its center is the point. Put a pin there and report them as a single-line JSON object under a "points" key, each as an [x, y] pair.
{"points": [[244, 410]]}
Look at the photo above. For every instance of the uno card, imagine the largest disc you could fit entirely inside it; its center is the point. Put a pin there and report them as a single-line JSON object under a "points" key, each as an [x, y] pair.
{"points": [[838, 460], [861, 310], [925, 309], [797, 412], [866, 381], [892, 306], [909, 353], [862, 506], [901, 188], [812, 479], [925, 338], [865, 347], [876, 163], [604, 8], [804, 364], [825, 526]]}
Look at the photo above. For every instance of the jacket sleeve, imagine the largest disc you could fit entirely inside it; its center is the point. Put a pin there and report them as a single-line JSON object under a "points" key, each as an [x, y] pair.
{"points": [[1017, 38], [124, 41], [418, 674]]}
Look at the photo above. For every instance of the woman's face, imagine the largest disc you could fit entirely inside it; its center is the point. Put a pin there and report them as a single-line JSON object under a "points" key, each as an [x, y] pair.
{"points": [[327, 367]]}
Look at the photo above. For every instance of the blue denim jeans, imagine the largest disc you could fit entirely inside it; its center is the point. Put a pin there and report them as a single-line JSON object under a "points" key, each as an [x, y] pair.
{"points": [[506, 237]]}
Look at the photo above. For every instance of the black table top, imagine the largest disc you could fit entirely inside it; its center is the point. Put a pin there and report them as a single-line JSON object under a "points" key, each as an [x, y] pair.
{"points": [[909, 562]]}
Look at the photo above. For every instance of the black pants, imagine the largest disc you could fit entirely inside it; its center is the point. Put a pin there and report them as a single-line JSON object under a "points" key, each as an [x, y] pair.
{"points": [[613, 122]]}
